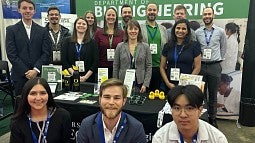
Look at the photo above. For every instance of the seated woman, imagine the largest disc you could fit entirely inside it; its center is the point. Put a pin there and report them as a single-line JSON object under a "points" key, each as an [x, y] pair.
{"points": [[179, 55], [38, 119], [133, 54], [82, 51]]}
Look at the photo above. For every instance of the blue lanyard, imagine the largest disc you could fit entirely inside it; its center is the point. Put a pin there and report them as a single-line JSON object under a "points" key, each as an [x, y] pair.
{"points": [[117, 134], [208, 39], [78, 50], [194, 139], [154, 34], [35, 140], [176, 55]]}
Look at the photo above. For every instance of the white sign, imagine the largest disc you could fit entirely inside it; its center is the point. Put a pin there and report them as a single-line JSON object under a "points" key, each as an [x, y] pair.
{"points": [[66, 20]]}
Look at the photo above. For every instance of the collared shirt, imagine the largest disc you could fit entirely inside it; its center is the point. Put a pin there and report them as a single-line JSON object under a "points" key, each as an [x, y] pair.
{"points": [[109, 135], [206, 134], [27, 28], [156, 40], [217, 42], [55, 39]]}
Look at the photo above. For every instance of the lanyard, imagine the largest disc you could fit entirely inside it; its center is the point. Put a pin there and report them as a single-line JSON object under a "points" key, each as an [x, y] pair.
{"points": [[35, 140], [78, 50], [208, 39], [176, 56], [133, 59], [110, 40], [154, 34], [53, 39], [117, 134], [194, 139]]}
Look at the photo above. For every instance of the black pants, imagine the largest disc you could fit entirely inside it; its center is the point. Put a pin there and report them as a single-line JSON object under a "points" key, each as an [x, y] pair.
{"points": [[211, 76], [156, 79]]}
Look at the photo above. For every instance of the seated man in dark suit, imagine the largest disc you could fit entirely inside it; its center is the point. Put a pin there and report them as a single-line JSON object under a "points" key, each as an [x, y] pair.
{"points": [[27, 46], [111, 124]]}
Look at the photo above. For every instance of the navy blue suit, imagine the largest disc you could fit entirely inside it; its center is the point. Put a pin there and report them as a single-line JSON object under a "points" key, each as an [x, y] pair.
{"points": [[132, 132], [24, 53]]}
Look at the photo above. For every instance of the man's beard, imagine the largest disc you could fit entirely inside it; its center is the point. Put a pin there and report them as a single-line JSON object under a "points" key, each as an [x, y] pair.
{"points": [[127, 18], [112, 114], [208, 23], [151, 17]]}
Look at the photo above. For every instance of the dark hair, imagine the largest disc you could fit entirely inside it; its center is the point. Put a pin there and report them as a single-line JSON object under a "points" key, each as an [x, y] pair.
{"points": [[125, 5], [191, 92], [116, 27], [194, 25], [179, 7], [113, 82], [233, 28], [28, 1], [167, 25], [94, 26], [86, 37], [226, 78], [53, 8], [210, 8], [171, 43], [152, 3], [24, 107], [132, 23]]}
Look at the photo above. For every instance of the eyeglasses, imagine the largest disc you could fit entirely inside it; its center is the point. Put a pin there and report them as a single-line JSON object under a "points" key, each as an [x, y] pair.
{"points": [[137, 100], [187, 109]]}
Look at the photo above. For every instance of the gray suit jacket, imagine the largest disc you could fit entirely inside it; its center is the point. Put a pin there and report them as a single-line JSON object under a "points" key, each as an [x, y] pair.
{"points": [[143, 63], [163, 34]]}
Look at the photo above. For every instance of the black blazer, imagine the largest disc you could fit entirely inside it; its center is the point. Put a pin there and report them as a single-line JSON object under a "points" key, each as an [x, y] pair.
{"points": [[89, 54], [24, 53]]}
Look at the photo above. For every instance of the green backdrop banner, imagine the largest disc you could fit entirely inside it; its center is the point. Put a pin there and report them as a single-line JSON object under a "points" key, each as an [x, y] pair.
{"points": [[224, 9]]}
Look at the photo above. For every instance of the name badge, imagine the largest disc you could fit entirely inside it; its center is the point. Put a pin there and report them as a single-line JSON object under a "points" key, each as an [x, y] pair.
{"points": [[153, 48], [175, 74], [110, 54], [207, 54], [81, 66], [56, 56]]}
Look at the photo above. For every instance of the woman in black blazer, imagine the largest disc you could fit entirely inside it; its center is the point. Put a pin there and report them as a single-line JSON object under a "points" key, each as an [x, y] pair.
{"points": [[80, 50]]}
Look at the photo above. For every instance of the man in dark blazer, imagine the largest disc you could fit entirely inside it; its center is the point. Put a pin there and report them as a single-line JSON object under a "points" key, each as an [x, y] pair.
{"points": [[111, 124], [27, 46]]}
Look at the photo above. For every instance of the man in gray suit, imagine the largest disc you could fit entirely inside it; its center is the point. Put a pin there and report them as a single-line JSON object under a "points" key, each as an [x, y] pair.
{"points": [[27, 46], [155, 35]]}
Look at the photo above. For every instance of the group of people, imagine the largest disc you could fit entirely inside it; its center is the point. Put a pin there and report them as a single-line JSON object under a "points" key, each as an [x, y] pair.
{"points": [[157, 54]]}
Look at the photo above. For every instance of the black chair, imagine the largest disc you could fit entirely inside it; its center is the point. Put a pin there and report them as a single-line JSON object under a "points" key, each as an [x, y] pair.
{"points": [[6, 85]]}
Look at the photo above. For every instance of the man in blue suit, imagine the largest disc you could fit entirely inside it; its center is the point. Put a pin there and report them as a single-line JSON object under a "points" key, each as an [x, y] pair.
{"points": [[27, 46], [111, 124]]}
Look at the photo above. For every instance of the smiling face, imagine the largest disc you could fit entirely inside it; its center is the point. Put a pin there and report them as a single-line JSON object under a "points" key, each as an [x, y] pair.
{"points": [[184, 115], [132, 32], [111, 102], [151, 12], [126, 14], [90, 18], [179, 14], [208, 16], [181, 30], [38, 98], [54, 17], [26, 10], [110, 16], [81, 26]]}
